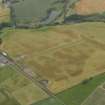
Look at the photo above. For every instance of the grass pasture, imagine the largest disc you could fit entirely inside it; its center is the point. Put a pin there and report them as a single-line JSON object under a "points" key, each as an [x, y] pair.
{"points": [[68, 46], [49, 101], [5, 99], [4, 75], [15, 89]]}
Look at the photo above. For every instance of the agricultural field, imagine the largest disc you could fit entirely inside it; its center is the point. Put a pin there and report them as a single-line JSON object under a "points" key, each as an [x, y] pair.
{"points": [[16, 89], [86, 7], [78, 93], [97, 97], [68, 46], [50, 101], [4, 13], [63, 61]]}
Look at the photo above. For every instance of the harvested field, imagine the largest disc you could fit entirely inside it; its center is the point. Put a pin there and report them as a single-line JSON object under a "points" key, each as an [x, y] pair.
{"points": [[75, 62], [68, 46], [78, 93], [85, 7]]}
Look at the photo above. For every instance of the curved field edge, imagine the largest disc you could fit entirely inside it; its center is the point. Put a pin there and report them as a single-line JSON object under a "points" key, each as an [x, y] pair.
{"points": [[77, 94]]}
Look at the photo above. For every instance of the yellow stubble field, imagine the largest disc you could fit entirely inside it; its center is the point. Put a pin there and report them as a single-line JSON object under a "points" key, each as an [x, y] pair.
{"points": [[63, 55]]}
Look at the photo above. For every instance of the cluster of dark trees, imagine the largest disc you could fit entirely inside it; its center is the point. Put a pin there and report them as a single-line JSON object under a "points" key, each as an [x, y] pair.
{"points": [[87, 18], [3, 25], [87, 80]]}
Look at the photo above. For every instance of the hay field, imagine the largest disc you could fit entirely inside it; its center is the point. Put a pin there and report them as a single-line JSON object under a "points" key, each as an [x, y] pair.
{"points": [[15, 89], [85, 7], [62, 54]]}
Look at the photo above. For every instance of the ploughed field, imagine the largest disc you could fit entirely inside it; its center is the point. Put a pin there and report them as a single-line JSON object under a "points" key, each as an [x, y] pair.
{"points": [[85, 7], [63, 55]]}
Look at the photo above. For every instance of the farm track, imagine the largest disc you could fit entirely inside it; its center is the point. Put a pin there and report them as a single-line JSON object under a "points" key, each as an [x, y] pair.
{"points": [[20, 69], [100, 45], [60, 46], [81, 40], [71, 44]]}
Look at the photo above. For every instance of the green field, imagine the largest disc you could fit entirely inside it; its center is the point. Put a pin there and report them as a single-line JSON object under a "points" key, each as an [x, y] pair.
{"points": [[5, 99], [5, 73], [50, 101], [15, 89], [98, 95]]}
